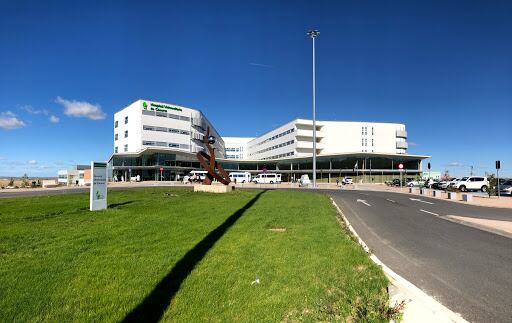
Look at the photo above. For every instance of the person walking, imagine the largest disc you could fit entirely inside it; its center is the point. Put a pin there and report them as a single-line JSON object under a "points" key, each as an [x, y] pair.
{"points": [[337, 181]]}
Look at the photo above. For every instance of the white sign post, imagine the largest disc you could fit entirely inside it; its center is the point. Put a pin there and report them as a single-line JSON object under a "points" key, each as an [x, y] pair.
{"points": [[98, 195], [401, 167]]}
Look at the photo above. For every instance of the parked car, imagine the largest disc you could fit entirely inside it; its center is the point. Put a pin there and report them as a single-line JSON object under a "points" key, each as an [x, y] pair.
{"points": [[270, 178], [304, 181], [472, 183], [506, 187], [396, 182], [347, 180]]}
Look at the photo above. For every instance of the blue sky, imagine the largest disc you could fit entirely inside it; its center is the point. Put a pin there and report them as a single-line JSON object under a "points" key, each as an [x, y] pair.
{"points": [[444, 68]]}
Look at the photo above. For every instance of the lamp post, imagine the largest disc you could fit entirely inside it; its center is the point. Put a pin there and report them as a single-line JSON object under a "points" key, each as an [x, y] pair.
{"points": [[314, 34]]}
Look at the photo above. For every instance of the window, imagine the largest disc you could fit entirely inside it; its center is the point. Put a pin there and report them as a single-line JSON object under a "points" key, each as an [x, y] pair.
{"points": [[115, 150], [115, 124], [372, 142], [126, 120], [126, 148], [372, 131], [115, 136], [126, 133]]}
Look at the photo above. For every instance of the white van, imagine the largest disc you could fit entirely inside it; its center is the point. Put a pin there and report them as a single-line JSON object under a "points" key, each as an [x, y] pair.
{"points": [[267, 178], [240, 177], [195, 176], [304, 181]]}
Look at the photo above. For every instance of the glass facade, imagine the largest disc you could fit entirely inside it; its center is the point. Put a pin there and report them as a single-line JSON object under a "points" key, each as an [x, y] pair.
{"points": [[378, 167]]}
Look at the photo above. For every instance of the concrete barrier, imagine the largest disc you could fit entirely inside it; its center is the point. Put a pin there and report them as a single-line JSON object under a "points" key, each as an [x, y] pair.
{"points": [[467, 197], [452, 195], [214, 188]]}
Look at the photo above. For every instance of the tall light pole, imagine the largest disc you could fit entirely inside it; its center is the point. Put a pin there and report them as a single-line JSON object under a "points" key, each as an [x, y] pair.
{"points": [[314, 34]]}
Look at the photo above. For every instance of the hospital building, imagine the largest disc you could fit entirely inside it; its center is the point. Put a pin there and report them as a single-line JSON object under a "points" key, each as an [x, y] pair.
{"points": [[159, 141]]}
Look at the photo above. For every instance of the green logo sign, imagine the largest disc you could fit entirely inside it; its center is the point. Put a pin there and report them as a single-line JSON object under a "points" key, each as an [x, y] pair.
{"points": [[158, 107]]}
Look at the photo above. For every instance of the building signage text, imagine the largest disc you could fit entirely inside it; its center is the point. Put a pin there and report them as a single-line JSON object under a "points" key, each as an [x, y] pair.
{"points": [[158, 107]]}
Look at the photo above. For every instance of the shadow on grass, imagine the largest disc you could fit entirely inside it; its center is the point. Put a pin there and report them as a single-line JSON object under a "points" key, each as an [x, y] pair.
{"points": [[114, 205], [154, 305]]}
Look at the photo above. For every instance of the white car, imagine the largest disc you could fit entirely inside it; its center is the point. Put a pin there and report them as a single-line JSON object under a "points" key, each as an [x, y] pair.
{"points": [[413, 183], [472, 183], [347, 180], [304, 181]]}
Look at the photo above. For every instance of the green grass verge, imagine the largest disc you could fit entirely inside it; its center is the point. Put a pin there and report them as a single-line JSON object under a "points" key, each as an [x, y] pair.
{"points": [[59, 262]]}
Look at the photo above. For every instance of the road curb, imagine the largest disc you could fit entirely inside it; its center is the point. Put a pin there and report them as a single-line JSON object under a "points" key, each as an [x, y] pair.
{"points": [[419, 306]]}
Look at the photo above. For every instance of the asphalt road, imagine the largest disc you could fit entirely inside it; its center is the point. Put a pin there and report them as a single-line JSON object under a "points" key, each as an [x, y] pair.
{"points": [[466, 269]]}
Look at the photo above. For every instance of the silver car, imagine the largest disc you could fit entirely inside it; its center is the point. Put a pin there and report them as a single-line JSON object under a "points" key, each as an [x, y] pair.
{"points": [[506, 187]]}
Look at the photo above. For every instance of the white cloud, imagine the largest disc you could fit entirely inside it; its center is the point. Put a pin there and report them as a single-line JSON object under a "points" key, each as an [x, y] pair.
{"points": [[412, 144], [80, 109], [8, 120], [32, 162], [54, 119], [31, 110]]}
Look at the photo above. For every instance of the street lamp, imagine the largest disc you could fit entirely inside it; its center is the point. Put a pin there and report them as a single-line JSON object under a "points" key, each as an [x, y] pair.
{"points": [[314, 34]]}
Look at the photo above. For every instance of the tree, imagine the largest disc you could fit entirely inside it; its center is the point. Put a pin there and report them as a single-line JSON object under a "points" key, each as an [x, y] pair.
{"points": [[24, 180], [493, 183]]}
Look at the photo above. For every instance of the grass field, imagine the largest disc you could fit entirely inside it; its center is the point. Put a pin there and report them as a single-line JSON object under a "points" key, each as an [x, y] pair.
{"points": [[175, 255]]}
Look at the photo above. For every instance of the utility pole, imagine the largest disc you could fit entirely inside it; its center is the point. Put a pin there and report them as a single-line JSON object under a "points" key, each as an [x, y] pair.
{"points": [[314, 34]]}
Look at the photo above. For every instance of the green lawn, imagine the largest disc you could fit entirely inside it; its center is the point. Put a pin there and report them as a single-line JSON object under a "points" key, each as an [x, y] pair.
{"points": [[183, 256]]}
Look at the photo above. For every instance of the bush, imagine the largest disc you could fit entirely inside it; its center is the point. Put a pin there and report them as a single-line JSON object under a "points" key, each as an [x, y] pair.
{"points": [[492, 188]]}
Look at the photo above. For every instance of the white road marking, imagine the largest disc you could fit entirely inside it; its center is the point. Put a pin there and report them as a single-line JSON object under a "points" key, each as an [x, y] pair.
{"points": [[364, 202], [430, 212], [410, 198], [390, 201]]}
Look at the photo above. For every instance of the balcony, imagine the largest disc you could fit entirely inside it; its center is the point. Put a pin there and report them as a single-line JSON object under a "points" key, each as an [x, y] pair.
{"points": [[309, 133], [402, 145], [401, 134]]}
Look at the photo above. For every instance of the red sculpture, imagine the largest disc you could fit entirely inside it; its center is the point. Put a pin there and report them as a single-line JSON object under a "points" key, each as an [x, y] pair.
{"points": [[210, 164]]}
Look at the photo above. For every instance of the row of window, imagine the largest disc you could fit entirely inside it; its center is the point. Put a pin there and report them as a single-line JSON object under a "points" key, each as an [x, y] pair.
{"points": [[165, 144], [275, 137], [116, 124], [163, 129], [287, 143], [234, 156], [364, 131], [364, 142], [165, 115], [125, 135], [125, 149], [236, 150], [280, 155]]}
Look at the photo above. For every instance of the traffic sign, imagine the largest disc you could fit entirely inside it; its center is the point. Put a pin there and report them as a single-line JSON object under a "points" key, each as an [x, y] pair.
{"points": [[161, 169], [401, 166], [498, 164]]}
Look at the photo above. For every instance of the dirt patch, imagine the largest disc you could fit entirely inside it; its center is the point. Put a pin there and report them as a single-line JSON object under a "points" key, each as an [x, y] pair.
{"points": [[277, 229]]}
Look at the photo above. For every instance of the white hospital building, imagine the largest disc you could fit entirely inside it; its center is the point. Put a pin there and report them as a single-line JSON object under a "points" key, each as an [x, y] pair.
{"points": [[159, 141]]}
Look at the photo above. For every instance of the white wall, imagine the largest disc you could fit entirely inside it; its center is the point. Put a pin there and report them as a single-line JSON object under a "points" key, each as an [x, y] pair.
{"points": [[236, 147], [190, 120], [332, 137], [270, 140]]}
